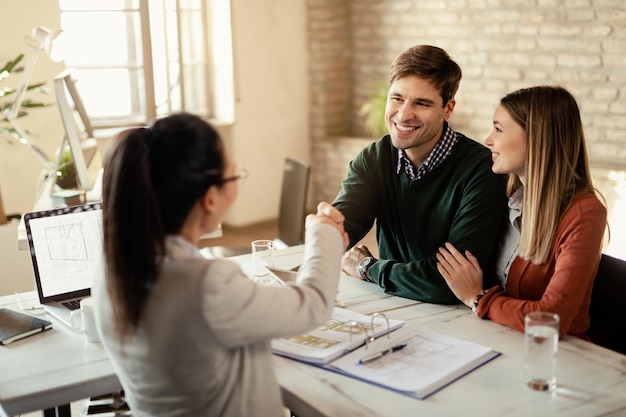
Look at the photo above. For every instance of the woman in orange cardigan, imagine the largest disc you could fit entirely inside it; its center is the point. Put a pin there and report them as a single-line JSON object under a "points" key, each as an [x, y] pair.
{"points": [[552, 242]]}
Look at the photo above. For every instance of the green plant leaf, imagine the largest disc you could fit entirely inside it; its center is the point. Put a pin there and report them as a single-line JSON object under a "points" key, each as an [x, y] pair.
{"points": [[10, 66], [374, 111]]}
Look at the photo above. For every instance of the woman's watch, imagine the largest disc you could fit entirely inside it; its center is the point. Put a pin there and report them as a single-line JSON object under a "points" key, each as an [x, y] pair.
{"points": [[477, 299], [364, 265]]}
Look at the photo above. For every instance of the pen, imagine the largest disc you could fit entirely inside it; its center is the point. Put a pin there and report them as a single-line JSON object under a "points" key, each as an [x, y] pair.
{"points": [[378, 355]]}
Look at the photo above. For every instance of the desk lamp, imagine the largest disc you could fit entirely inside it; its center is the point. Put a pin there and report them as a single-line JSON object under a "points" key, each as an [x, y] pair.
{"points": [[40, 40]]}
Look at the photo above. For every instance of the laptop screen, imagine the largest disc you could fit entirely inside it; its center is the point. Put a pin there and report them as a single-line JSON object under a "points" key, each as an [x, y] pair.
{"points": [[66, 248]]}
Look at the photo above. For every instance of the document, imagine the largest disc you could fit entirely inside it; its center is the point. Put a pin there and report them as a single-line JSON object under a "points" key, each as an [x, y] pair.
{"points": [[345, 331], [414, 361], [390, 353]]}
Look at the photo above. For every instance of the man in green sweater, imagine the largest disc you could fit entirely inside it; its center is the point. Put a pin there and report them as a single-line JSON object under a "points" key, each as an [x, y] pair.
{"points": [[423, 184]]}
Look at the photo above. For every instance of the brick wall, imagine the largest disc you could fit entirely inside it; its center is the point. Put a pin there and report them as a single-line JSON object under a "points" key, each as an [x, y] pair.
{"points": [[501, 45]]}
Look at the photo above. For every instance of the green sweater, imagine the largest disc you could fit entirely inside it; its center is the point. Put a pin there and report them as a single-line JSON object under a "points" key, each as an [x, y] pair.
{"points": [[461, 202]]}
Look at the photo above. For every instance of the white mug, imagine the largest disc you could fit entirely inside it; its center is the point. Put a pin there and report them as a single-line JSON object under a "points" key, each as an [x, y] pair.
{"points": [[88, 320]]}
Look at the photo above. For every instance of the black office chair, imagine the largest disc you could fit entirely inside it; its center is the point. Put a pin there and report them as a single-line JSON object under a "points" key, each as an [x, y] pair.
{"points": [[291, 211], [293, 201], [607, 310]]}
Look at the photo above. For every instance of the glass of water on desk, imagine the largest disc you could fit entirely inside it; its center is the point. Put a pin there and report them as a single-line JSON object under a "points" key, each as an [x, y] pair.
{"points": [[541, 346], [262, 256]]}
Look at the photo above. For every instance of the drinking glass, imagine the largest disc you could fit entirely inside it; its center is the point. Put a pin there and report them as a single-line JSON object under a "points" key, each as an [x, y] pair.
{"points": [[541, 347], [262, 255]]}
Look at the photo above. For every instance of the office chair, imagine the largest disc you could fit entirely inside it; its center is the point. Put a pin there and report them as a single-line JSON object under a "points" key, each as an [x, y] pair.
{"points": [[291, 211], [608, 327]]}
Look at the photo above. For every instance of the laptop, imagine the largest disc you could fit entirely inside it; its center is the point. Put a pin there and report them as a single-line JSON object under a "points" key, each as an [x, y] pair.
{"points": [[66, 249]]}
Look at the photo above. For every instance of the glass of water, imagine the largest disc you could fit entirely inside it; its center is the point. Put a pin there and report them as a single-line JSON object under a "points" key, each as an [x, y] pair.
{"points": [[262, 256], [541, 347]]}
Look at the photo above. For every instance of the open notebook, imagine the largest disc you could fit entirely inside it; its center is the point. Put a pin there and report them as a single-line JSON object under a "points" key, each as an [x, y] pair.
{"points": [[66, 248], [415, 361], [402, 357], [342, 333]]}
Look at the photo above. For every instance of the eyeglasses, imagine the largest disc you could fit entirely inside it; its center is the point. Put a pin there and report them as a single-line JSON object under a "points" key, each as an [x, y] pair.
{"points": [[240, 173]]}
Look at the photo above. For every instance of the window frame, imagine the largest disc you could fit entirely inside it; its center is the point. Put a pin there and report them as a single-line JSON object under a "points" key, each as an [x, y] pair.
{"points": [[187, 84]]}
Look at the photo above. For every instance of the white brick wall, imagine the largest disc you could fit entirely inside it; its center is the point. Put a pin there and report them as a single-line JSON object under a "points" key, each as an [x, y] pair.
{"points": [[501, 45]]}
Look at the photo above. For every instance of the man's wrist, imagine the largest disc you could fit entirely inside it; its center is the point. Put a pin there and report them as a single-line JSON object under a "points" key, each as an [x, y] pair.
{"points": [[364, 266]]}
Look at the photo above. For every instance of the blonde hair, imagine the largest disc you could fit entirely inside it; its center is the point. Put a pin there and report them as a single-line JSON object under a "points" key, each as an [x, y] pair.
{"points": [[556, 163]]}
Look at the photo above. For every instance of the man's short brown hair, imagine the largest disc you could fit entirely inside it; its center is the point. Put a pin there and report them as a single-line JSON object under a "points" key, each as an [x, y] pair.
{"points": [[430, 63]]}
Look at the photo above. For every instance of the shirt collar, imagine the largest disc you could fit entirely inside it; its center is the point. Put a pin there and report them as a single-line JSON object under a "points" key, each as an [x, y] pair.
{"points": [[515, 206], [440, 152]]}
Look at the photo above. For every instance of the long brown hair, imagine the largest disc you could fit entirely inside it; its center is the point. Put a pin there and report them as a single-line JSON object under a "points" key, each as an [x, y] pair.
{"points": [[556, 163], [152, 178]]}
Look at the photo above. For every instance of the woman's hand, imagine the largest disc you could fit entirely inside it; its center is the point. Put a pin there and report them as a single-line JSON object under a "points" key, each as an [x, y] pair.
{"points": [[462, 273], [328, 214]]}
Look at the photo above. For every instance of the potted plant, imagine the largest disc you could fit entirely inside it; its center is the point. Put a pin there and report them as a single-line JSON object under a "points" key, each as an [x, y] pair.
{"points": [[65, 170], [6, 128], [8, 133], [374, 111]]}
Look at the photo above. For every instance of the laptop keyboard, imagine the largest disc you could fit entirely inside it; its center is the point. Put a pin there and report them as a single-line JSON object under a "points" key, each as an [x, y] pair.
{"points": [[72, 304]]}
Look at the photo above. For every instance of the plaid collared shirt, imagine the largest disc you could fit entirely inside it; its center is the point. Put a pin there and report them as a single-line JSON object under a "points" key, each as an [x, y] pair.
{"points": [[436, 157]]}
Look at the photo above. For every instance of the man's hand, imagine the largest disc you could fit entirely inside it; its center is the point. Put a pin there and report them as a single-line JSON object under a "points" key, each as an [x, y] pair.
{"points": [[329, 215], [351, 259]]}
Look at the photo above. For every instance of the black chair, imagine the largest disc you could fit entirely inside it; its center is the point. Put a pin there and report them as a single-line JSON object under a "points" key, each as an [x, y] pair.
{"points": [[607, 310], [293, 199], [291, 211]]}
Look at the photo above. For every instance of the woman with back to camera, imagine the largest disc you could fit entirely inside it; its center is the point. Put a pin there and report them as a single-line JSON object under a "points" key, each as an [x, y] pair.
{"points": [[189, 336], [552, 242]]}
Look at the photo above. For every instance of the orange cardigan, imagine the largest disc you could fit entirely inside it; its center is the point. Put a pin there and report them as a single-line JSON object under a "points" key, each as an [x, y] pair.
{"points": [[564, 282]]}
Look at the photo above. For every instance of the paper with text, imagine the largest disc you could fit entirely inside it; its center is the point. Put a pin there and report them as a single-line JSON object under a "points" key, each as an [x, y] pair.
{"points": [[429, 362], [343, 332]]}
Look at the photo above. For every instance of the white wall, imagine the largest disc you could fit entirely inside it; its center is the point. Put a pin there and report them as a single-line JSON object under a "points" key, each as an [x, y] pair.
{"points": [[20, 169], [271, 100], [16, 273], [271, 103]]}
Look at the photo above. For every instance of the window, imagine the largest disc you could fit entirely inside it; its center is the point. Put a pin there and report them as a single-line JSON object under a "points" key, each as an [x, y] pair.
{"points": [[610, 180], [137, 59]]}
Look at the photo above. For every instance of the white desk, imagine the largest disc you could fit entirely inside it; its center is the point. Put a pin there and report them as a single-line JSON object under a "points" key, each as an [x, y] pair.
{"points": [[591, 379], [53, 368], [59, 367]]}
